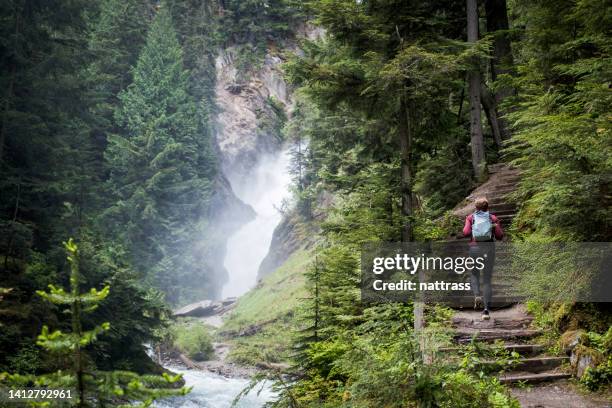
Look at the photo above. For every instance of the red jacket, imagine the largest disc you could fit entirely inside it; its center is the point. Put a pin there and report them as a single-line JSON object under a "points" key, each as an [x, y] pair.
{"points": [[497, 231]]}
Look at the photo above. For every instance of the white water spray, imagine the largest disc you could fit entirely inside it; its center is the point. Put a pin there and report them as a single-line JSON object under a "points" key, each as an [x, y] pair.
{"points": [[264, 190]]}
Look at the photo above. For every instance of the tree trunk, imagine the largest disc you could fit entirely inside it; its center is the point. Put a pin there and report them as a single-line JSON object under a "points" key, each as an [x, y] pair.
{"points": [[10, 90], [77, 330], [490, 108], [405, 142], [502, 61], [478, 154]]}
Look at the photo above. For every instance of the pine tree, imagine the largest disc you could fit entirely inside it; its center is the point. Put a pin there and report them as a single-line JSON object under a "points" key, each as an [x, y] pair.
{"points": [[161, 164], [562, 123], [93, 387], [117, 33], [77, 339]]}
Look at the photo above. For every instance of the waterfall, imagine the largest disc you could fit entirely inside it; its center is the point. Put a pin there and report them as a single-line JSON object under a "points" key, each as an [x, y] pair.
{"points": [[265, 190]]}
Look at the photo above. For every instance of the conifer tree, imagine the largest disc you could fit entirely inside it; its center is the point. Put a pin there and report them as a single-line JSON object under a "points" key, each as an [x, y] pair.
{"points": [[93, 387], [116, 35], [161, 164]]}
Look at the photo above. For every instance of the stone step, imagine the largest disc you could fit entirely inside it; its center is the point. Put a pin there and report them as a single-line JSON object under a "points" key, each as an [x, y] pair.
{"points": [[497, 167], [501, 213], [501, 206], [502, 191], [467, 302], [522, 349], [505, 217], [501, 322], [533, 378], [540, 364], [506, 183], [465, 335], [531, 365]]}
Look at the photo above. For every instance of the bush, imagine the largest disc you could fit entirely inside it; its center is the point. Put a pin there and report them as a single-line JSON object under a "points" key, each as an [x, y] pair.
{"points": [[193, 340], [599, 376]]}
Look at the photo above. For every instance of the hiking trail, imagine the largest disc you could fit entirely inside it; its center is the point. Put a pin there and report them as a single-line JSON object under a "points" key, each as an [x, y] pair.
{"points": [[537, 379]]}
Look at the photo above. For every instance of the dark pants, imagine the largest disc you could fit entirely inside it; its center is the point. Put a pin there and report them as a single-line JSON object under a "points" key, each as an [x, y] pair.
{"points": [[486, 250]]}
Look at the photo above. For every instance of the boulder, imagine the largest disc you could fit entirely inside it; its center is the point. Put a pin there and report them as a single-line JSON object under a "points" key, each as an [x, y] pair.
{"points": [[583, 357], [202, 308], [205, 308]]}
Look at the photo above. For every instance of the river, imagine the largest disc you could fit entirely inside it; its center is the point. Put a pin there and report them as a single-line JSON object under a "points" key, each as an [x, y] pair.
{"points": [[214, 391]]}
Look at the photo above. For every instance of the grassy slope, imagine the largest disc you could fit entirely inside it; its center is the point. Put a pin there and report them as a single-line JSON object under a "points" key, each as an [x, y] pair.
{"points": [[269, 309]]}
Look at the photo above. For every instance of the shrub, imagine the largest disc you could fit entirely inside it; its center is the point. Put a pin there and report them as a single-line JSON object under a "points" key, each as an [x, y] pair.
{"points": [[599, 376]]}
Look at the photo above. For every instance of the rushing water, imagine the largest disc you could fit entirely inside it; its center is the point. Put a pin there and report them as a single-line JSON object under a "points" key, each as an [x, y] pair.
{"points": [[264, 190], [214, 391]]}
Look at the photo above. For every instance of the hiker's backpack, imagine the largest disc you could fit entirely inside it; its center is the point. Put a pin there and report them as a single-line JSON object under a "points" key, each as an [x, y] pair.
{"points": [[482, 227]]}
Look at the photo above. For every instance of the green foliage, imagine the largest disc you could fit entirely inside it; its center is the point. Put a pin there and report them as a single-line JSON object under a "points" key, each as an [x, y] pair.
{"points": [[161, 168], [254, 307], [440, 190], [199, 30], [101, 387], [193, 340], [63, 67], [116, 34], [562, 125], [599, 376], [257, 22]]}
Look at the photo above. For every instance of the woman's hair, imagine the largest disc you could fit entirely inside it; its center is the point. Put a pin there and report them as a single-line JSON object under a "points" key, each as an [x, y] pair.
{"points": [[481, 203]]}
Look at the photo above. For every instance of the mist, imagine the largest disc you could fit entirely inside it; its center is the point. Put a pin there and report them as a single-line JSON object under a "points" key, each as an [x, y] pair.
{"points": [[265, 190]]}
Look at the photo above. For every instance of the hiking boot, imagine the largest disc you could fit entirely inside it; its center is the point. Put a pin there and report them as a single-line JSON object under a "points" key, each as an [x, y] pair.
{"points": [[485, 315], [478, 303]]}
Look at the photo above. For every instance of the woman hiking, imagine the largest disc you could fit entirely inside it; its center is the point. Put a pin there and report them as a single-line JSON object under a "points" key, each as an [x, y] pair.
{"points": [[482, 228]]}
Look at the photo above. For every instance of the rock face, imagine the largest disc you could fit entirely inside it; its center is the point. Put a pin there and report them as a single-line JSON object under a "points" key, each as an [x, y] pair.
{"points": [[251, 109], [285, 240], [240, 140], [291, 234], [249, 103], [246, 106]]}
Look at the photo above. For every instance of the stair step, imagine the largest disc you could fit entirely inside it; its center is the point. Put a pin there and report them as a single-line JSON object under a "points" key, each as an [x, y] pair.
{"points": [[502, 191], [505, 219], [464, 335], [497, 167], [501, 213], [505, 183], [532, 378], [504, 322], [501, 206], [531, 365], [467, 302], [522, 349]]}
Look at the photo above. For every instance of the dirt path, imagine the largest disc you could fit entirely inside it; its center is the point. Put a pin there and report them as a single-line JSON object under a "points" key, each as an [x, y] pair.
{"points": [[560, 394]]}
